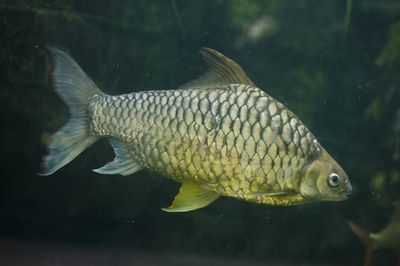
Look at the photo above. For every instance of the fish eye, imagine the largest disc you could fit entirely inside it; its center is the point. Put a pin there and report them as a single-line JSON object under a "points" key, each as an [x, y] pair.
{"points": [[334, 180]]}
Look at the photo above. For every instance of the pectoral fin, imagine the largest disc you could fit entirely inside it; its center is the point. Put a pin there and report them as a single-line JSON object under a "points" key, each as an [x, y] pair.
{"points": [[274, 194], [190, 197]]}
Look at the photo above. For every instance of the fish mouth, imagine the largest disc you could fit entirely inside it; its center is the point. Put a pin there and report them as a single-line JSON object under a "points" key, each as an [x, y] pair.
{"points": [[345, 194]]}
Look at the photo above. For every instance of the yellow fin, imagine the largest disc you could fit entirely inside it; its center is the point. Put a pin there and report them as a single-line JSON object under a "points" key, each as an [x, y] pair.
{"points": [[190, 197], [221, 72]]}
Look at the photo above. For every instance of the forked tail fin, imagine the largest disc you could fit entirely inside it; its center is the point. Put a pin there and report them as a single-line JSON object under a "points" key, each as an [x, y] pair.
{"points": [[76, 89], [364, 236]]}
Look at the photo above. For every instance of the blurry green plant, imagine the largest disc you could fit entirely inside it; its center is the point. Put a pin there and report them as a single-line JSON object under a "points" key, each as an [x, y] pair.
{"points": [[382, 184], [390, 54], [384, 110]]}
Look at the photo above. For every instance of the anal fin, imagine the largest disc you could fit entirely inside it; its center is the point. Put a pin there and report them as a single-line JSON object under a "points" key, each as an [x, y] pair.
{"points": [[191, 196], [123, 163]]}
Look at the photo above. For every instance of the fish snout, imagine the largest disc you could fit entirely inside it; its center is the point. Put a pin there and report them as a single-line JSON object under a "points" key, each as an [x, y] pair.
{"points": [[349, 188]]}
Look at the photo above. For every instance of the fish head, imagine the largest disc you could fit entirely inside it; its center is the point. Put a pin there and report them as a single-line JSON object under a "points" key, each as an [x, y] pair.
{"points": [[324, 179]]}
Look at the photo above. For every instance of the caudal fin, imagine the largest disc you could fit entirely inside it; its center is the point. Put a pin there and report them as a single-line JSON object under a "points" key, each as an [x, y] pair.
{"points": [[364, 236], [76, 89]]}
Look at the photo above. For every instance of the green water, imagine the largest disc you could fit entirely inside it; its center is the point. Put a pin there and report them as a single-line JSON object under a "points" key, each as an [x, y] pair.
{"points": [[333, 63]]}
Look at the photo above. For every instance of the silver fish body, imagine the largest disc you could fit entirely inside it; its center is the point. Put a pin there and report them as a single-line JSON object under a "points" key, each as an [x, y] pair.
{"points": [[216, 137]]}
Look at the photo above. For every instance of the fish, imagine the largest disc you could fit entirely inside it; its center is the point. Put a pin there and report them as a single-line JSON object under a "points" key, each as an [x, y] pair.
{"points": [[386, 238], [218, 135]]}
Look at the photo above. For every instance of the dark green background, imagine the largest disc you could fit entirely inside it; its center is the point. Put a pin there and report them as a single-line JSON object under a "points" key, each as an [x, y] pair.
{"points": [[333, 63]]}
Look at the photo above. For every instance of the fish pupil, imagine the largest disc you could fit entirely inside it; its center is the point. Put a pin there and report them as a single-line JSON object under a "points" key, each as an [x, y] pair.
{"points": [[334, 180]]}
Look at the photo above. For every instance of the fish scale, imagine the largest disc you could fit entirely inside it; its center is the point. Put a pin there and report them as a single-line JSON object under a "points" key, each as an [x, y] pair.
{"points": [[194, 144], [217, 135]]}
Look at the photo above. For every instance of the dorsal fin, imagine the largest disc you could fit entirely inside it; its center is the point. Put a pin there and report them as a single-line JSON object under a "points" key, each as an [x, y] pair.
{"points": [[221, 71]]}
